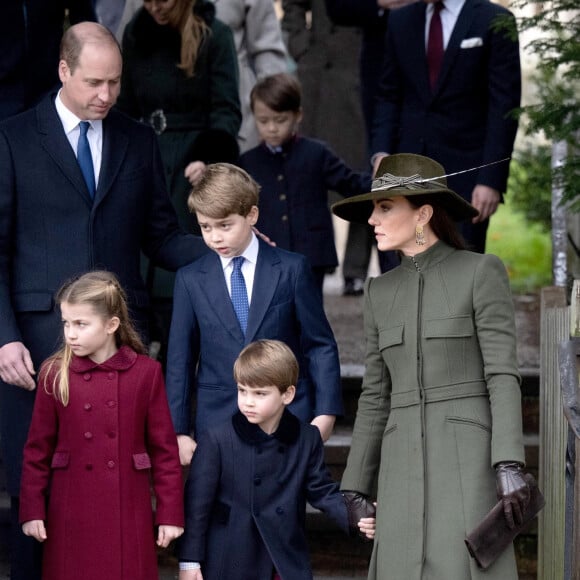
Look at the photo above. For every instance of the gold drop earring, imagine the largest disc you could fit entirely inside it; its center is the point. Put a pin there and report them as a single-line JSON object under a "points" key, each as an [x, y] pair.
{"points": [[419, 236]]}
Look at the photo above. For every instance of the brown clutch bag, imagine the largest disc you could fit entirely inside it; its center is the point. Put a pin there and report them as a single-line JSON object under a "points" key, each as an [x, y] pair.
{"points": [[492, 536]]}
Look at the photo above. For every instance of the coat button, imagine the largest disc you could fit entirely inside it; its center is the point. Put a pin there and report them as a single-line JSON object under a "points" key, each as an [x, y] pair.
{"points": [[284, 218], [87, 376], [280, 177], [111, 376], [88, 406], [112, 434], [257, 480], [88, 435], [89, 466], [111, 404], [110, 464], [282, 197], [279, 510]]}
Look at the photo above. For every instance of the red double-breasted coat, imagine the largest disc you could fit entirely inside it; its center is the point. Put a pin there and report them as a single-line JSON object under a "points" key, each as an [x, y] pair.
{"points": [[88, 468]]}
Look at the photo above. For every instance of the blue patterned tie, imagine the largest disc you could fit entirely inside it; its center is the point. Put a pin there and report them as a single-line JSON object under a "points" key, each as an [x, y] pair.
{"points": [[85, 158], [239, 293]]}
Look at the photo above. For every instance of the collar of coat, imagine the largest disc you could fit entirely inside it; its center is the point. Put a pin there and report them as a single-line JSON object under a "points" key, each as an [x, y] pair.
{"points": [[431, 257], [123, 359], [287, 431]]}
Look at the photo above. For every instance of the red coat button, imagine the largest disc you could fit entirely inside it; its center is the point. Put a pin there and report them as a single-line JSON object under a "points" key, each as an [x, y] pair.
{"points": [[111, 404], [88, 406], [87, 376], [111, 464], [88, 435]]}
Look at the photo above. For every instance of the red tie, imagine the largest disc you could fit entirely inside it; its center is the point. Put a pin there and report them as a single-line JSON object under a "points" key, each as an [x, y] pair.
{"points": [[435, 44]]}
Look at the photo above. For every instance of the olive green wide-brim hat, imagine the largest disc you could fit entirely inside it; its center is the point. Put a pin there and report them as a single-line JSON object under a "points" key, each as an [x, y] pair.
{"points": [[406, 174]]}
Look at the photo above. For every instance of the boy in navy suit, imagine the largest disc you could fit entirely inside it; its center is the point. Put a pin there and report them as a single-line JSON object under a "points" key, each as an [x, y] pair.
{"points": [[251, 477], [295, 174], [243, 291]]}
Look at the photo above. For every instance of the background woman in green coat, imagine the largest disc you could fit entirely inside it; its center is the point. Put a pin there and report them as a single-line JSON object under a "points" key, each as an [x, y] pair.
{"points": [[180, 75], [439, 418]]}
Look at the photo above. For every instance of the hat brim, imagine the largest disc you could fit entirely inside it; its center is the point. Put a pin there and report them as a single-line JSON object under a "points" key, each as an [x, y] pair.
{"points": [[359, 207]]}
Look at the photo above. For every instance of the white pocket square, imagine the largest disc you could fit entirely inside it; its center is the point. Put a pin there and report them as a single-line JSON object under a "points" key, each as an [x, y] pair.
{"points": [[472, 42]]}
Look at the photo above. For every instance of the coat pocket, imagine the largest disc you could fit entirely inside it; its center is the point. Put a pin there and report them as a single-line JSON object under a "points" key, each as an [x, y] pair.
{"points": [[60, 460], [391, 336], [451, 327], [141, 461]]}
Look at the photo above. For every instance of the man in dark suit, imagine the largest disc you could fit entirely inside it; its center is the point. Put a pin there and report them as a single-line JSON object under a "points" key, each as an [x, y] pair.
{"points": [[30, 33], [465, 118], [56, 222]]}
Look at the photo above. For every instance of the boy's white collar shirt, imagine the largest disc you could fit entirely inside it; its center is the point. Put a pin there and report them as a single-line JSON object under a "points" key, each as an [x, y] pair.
{"points": [[70, 123], [248, 267]]}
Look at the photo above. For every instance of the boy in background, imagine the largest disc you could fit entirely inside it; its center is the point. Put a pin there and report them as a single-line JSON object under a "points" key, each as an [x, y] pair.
{"points": [[243, 291], [295, 174]]}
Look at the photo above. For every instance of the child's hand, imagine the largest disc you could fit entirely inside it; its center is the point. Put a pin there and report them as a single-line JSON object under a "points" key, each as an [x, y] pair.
{"points": [[194, 171], [367, 526], [186, 448], [36, 529], [167, 534]]}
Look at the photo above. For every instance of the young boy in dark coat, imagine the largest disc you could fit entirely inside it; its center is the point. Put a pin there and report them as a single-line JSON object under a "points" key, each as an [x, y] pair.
{"points": [[208, 330], [251, 477], [295, 174]]}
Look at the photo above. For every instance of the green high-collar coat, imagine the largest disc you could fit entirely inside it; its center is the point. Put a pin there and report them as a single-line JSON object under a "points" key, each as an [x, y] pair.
{"points": [[440, 405]]}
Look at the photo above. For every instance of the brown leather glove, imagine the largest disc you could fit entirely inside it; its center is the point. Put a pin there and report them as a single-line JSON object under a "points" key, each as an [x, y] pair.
{"points": [[358, 506], [512, 491]]}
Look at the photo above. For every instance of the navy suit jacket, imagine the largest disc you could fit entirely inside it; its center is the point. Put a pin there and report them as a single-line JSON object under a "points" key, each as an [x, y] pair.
{"points": [[206, 338], [465, 121], [51, 230], [294, 195]]}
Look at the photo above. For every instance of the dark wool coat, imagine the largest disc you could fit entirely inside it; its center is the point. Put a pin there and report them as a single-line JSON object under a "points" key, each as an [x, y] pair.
{"points": [[94, 461], [440, 405], [294, 195], [202, 113], [246, 500]]}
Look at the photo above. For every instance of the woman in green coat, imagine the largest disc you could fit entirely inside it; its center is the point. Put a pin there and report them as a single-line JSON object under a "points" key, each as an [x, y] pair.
{"points": [[439, 417], [180, 75]]}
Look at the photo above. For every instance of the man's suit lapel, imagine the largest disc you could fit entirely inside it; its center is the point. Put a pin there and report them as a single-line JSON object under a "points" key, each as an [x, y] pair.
{"points": [[115, 144], [266, 278], [213, 284], [462, 25], [58, 147]]}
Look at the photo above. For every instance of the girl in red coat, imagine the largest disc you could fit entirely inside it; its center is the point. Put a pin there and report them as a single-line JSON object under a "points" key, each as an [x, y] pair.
{"points": [[100, 434]]}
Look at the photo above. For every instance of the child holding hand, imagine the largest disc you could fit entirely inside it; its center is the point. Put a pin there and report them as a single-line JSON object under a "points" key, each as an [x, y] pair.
{"points": [[101, 432], [251, 477]]}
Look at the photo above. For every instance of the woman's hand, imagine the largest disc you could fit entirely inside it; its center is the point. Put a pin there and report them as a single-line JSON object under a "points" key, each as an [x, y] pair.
{"points": [[166, 534], [368, 526], [35, 529], [512, 490], [187, 447]]}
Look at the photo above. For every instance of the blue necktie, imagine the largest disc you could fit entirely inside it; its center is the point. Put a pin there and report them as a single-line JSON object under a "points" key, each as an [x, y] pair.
{"points": [[85, 158], [239, 293]]}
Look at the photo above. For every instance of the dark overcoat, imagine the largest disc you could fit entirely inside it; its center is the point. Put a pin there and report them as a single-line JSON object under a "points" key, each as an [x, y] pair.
{"points": [[95, 460], [294, 195], [206, 338], [246, 500], [51, 230], [200, 115], [440, 406]]}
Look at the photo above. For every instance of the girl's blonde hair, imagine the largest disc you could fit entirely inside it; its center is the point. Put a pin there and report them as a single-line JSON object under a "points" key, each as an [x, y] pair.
{"points": [[102, 291], [193, 31]]}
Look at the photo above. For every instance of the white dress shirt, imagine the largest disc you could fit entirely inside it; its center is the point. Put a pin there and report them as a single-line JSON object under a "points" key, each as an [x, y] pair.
{"points": [[449, 15]]}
